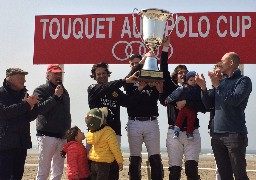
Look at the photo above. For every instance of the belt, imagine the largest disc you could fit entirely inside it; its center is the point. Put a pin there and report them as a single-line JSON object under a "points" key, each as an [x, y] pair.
{"points": [[56, 135], [150, 118]]}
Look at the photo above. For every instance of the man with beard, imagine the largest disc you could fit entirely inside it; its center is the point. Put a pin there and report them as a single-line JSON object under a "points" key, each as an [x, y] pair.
{"points": [[107, 94]]}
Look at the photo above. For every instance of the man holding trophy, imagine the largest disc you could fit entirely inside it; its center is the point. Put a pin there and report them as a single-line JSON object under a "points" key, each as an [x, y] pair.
{"points": [[143, 125]]}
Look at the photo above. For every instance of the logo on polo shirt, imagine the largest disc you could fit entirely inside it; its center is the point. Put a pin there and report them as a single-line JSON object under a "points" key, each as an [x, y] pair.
{"points": [[114, 94]]}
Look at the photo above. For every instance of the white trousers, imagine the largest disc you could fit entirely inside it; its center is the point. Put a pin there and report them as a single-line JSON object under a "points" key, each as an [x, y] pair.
{"points": [[50, 159], [143, 131], [176, 148]]}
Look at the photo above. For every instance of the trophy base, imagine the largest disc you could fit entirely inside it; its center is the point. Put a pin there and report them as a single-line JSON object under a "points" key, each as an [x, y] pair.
{"points": [[151, 76]]}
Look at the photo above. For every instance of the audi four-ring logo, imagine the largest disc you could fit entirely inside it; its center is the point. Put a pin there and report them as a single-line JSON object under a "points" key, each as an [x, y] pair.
{"points": [[123, 49]]}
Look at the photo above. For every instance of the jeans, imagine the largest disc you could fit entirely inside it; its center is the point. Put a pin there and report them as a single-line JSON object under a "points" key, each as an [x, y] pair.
{"points": [[100, 170], [12, 164], [229, 150], [114, 168], [113, 171]]}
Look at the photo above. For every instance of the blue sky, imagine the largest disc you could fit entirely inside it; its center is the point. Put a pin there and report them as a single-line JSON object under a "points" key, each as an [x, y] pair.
{"points": [[17, 42]]}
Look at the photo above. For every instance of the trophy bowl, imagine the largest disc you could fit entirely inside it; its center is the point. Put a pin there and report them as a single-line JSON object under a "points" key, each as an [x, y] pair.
{"points": [[154, 22], [153, 28]]}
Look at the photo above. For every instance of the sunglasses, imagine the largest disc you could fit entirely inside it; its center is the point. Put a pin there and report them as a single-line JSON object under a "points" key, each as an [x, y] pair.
{"points": [[132, 56], [134, 63], [182, 72]]}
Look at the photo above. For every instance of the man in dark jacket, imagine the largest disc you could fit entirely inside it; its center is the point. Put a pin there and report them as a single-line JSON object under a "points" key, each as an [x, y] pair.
{"points": [[142, 126], [107, 94], [228, 128], [17, 110], [180, 148], [53, 121]]}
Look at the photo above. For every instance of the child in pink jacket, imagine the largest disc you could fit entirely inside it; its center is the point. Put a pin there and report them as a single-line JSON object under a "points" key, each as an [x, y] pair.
{"points": [[77, 166]]}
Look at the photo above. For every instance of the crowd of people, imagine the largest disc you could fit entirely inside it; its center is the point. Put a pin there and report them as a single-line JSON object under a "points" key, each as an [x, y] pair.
{"points": [[183, 93]]}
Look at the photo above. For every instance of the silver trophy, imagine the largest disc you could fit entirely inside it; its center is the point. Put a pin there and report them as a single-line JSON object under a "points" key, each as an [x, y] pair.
{"points": [[153, 29]]}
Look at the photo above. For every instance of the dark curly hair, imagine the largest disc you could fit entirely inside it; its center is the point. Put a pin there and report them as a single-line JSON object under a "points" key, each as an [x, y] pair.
{"points": [[102, 65], [70, 136], [174, 75], [137, 55], [72, 133]]}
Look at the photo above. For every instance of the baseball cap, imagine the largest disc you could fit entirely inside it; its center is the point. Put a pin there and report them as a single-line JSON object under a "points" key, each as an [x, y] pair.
{"points": [[190, 74], [96, 118], [54, 68], [14, 71]]}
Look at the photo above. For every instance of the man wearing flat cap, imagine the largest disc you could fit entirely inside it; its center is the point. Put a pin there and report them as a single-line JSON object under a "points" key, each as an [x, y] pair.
{"points": [[17, 110], [53, 121]]}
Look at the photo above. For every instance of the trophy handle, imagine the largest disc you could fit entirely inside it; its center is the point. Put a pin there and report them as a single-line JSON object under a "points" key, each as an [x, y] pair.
{"points": [[176, 15], [134, 22]]}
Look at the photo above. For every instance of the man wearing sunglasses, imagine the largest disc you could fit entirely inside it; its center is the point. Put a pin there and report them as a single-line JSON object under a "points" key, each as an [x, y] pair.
{"points": [[134, 59], [180, 148], [142, 126]]}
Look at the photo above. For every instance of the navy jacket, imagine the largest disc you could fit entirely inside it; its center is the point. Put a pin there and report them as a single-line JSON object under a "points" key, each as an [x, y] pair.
{"points": [[189, 93], [54, 117], [169, 87], [230, 99], [15, 118]]}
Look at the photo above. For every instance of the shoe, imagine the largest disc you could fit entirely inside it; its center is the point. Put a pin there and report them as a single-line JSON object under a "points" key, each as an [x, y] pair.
{"points": [[190, 137], [176, 134]]}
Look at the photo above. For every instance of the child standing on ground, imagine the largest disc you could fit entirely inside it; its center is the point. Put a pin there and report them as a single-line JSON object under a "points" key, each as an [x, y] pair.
{"points": [[105, 147], [189, 91], [77, 166]]}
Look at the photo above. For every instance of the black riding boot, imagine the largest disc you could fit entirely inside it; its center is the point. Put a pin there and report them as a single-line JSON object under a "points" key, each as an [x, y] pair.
{"points": [[134, 168], [175, 173], [156, 167], [191, 170]]}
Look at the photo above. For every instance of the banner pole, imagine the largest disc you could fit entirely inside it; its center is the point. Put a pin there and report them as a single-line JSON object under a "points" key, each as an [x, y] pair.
{"points": [[62, 67]]}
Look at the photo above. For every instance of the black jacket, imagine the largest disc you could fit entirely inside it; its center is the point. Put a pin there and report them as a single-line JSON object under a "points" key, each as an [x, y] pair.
{"points": [[54, 117], [144, 101], [15, 118], [109, 95]]}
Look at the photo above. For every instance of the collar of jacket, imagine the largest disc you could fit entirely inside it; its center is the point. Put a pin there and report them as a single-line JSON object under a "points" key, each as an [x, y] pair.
{"points": [[236, 73], [51, 84], [7, 86]]}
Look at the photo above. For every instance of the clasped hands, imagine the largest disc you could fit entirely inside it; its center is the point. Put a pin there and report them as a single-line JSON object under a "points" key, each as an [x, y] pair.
{"points": [[31, 100]]}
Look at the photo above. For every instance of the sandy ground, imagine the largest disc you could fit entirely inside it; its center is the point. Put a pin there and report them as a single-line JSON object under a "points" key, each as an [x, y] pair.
{"points": [[206, 168]]}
